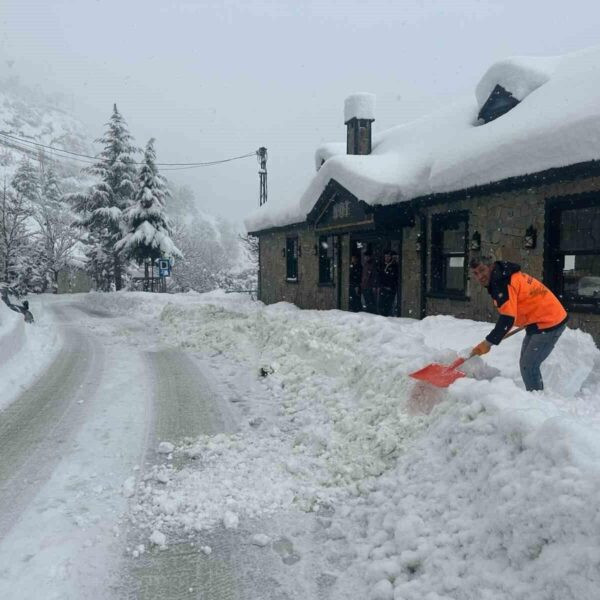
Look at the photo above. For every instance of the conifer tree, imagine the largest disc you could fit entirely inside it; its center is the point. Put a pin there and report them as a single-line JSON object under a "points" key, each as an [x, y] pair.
{"points": [[148, 228], [50, 189], [101, 210], [25, 181]]}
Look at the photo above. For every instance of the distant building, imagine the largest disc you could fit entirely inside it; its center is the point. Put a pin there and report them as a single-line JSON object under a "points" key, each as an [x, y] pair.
{"points": [[515, 175]]}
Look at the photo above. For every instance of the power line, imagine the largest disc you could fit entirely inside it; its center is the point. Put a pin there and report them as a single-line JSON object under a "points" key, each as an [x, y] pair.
{"points": [[27, 150], [94, 159]]}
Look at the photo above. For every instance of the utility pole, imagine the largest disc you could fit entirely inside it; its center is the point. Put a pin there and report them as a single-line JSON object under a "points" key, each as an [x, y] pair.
{"points": [[261, 155]]}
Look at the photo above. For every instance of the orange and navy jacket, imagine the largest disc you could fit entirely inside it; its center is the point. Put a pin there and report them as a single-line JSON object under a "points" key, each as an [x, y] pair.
{"points": [[522, 300]]}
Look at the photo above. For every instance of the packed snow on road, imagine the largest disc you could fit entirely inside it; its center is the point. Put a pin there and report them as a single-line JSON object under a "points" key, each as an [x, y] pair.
{"points": [[358, 480]]}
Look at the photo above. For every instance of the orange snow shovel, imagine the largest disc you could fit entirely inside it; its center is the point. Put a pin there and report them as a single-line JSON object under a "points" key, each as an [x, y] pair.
{"points": [[443, 375]]}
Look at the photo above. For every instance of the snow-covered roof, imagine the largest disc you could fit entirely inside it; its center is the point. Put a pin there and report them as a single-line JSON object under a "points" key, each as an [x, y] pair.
{"points": [[556, 123]]}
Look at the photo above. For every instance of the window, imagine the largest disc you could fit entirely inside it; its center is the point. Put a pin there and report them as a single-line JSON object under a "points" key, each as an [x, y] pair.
{"points": [[291, 259], [326, 259], [449, 254], [498, 104], [574, 254]]}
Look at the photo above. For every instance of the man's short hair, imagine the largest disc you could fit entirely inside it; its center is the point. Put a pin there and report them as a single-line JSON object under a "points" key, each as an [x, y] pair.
{"points": [[480, 260]]}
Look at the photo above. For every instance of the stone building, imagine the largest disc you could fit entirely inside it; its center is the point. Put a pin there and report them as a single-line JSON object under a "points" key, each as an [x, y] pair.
{"points": [[515, 176]]}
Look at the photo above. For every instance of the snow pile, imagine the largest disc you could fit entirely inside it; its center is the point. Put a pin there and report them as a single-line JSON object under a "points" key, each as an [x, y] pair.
{"points": [[556, 124], [25, 349], [326, 151], [327, 421], [520, 76], [12, 333], [496, 501], [490, 495]]}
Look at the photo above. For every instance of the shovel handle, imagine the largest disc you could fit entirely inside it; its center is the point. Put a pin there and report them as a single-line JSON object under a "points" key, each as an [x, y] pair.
{"points": [[459, 361], [509, 334], [514, 331]]}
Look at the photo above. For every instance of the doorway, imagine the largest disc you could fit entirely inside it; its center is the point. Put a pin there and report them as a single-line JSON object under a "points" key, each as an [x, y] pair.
{"points": [[380, 260]]}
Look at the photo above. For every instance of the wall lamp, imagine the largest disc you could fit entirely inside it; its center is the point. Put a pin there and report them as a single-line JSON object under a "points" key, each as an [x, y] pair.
{"points": [[419, 243], [475, 243], [530, 239]]}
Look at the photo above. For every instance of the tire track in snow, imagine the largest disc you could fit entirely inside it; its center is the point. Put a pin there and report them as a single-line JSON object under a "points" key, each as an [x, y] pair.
{"points": [[184, 406], [35, 426]]}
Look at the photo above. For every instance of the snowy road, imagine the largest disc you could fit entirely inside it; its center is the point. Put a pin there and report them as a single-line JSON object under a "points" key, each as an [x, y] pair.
{"points": [[35, 429], [184, 407], [68, 442], [74, 446]]}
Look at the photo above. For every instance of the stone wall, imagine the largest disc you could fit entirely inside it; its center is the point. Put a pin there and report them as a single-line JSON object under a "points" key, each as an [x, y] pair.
{"points": [[502, 219], [306, 292]]}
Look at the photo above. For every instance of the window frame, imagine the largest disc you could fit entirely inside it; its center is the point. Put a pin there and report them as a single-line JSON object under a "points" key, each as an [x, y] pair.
{"points": [[499, 102], [322, 257], [291, 259], [554, 259], [439, 223]]}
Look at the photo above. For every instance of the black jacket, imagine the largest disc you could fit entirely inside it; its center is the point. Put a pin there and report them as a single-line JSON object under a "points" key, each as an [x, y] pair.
{"points": [[388, 275], [355, 274], [498, 290]]}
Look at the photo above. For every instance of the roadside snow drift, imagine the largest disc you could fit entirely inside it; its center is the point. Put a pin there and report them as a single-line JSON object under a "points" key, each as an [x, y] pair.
{"points": [[25, 349], [479, 491]]}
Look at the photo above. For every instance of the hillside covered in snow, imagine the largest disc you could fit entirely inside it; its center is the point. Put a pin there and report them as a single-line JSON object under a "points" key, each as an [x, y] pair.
{"points": [[29, 119]]}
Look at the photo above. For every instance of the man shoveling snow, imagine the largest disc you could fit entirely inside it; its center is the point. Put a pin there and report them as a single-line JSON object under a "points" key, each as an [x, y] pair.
{"points": [[523, 301]]}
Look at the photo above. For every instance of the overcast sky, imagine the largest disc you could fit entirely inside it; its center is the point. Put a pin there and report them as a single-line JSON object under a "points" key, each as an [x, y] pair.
{"points": [[219, 78]]}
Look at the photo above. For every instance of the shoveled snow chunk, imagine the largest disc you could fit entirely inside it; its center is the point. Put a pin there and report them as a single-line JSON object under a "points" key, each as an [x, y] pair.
{"points": [[261, 539], [165, 448], [158, 538], [230, 520], [129, 487], [382, 590]]}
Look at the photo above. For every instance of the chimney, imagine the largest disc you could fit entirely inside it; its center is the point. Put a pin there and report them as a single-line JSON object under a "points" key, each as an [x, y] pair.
{"points": [[359, 113]]}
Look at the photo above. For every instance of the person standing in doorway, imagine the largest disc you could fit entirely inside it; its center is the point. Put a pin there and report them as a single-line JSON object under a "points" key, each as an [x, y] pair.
{"points": [[521, 300], [388, 284], [356, 268], [369, 283]]}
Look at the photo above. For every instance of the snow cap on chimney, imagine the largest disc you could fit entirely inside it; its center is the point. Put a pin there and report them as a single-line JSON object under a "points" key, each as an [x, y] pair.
{"points": [[359, 106]]}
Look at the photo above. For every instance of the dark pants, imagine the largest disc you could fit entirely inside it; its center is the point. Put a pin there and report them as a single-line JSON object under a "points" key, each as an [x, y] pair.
{"points": [[535, 350], [355, 299], [386, 301], [370, 300]]}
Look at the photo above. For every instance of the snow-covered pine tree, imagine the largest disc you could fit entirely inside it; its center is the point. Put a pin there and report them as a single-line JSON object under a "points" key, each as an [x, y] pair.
{"points": [[148, 228], [25, 181], [101, 210]]}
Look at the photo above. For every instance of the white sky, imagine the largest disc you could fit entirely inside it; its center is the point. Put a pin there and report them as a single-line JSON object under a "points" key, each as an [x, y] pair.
{"points": [[215, 79]]}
